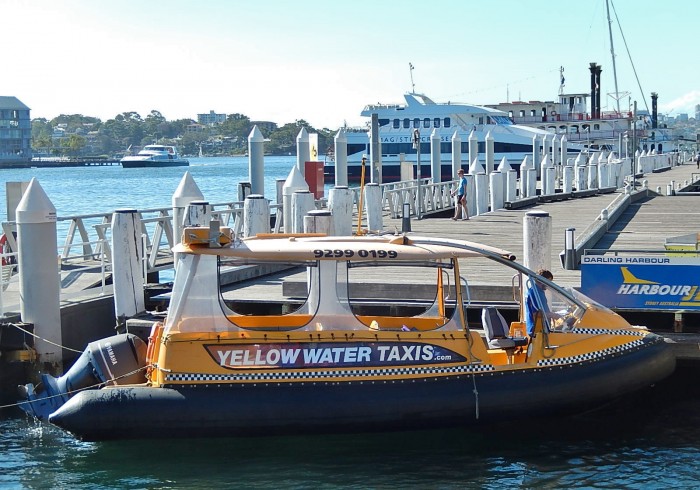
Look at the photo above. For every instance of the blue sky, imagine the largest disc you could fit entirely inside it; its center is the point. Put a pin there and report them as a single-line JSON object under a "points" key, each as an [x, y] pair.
{"points": [[323, 61]]}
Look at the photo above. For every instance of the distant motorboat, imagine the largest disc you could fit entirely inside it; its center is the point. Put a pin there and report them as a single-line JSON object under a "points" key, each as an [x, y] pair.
{"points": [[155, 156]]}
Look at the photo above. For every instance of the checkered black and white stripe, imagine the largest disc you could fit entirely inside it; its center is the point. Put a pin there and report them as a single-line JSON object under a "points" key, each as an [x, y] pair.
{"points": [[600, 331], [313, 375], [591, 356]]}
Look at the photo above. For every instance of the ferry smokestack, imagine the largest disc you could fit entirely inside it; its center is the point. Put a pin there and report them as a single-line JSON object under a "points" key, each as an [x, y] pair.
{"points": [[593, 90], [596, 70], [654, 111]]}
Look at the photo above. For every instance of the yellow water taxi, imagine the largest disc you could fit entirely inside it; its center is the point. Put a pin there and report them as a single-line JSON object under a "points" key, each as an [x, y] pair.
{"points": [[393, 332]]}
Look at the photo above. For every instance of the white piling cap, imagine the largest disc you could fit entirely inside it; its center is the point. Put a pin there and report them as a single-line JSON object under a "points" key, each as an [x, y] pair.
{"points": [[295, 181], [35, 206], [340, 136], [187, 191], [504, 166], [256, 135], [303, 135]]}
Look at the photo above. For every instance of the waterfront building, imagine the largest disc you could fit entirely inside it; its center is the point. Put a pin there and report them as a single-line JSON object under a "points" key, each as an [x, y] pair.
{"points": [[15, 131], [211, 119]]}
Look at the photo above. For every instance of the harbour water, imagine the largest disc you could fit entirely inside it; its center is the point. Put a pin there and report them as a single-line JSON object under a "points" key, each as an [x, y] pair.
{"points": [[650, 440]]}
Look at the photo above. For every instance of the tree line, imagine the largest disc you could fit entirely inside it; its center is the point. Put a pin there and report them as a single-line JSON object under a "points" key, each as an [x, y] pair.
{"points": [[81, 136]]}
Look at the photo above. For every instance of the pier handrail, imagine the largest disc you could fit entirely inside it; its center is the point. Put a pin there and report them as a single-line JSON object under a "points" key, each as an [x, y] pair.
{"points": [[86, 238]]}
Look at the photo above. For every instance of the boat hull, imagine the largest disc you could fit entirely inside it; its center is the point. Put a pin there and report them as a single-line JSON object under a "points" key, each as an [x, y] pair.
{"points": [[146, 164], [264, 409]]}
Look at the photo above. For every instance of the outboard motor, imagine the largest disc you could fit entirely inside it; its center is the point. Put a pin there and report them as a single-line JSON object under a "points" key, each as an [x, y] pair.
{"points": [[114, 360]]}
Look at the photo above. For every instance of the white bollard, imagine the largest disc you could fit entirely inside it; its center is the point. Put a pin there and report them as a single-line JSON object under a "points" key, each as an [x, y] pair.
{"points": [[127, 264], [303, 151], [341, 158], [564, 150], [198, 214], [490, 156], [568, 178], [549, 174], [580, 177], [435, 157], [544, 165], [295, 182], [456, 153], [604, 174], [496, 190], [318, 221], [256, 161], [185, 193], [482, 193], [537, 240], [373, 207], [302, 203], [256, 215], [340, 204], [39, 279], [593, 176], [473, 149], [524, 166], [511, 185], [531, 182]]}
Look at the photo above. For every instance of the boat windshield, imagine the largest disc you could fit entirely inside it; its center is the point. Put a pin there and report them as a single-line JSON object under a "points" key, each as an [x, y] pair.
{"points": [[561, 309], [501, 120]]}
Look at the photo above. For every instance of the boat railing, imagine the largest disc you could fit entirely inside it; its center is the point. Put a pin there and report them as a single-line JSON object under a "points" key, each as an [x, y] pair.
{"points": [[433, 196]]}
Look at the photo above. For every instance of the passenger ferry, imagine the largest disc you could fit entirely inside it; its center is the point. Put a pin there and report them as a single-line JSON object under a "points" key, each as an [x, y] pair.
{"points": [[155, 156], [398, 124], [349, 356]]}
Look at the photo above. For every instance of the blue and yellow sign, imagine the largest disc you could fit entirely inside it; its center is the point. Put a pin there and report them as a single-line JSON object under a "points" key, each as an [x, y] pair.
{"points": [[658, 283]]}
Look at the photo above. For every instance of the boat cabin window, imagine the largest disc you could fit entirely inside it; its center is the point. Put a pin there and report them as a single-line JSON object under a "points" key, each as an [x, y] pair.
{"points": [[436, 122], [397, 123], [383, 122], [406, 123], [522, 113], [426, 122], [596, 127], [533, 113], [447, 122]]}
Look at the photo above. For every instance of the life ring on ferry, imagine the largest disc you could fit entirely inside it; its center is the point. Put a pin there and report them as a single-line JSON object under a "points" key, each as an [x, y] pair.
{"points": [[5, 249]]}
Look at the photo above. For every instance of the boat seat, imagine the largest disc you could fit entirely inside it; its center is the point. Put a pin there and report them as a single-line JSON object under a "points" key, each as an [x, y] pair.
{"points": [[497, 331]]}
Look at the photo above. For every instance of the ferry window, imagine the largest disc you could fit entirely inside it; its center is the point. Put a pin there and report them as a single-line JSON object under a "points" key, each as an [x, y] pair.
{"points": [[397, 123], [446, 122], [510, 114], [481, 120], [562, 129], [596, 127], [586, 127], [522, 113], [436, 122], [426, 122], [533, 113], [383, 122], [406, 123], [416, 123]]}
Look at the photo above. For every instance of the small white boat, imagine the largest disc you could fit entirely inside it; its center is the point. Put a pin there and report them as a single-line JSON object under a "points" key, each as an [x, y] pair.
{"points": [[155, 156]]}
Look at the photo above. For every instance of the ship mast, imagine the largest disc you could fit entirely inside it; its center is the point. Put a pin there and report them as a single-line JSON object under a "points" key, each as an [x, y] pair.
{"points": [[612, 53], [413, 85]]}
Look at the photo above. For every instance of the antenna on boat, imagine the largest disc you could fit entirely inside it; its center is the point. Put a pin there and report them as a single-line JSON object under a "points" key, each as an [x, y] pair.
{"points": [[612, 53], [413, 85]]}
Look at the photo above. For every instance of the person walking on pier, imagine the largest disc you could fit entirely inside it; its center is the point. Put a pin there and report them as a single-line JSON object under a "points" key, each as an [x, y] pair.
{"points": [[461, 199]]}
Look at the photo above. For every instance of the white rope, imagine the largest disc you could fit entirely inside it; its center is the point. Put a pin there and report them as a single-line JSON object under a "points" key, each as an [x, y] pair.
{"points": [[45, 340]]}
